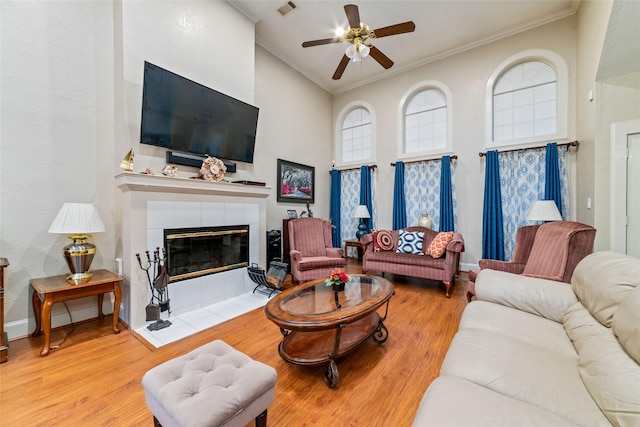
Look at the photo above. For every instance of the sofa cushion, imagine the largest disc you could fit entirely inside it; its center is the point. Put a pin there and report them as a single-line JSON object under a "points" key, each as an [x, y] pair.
{"points": [[446, 396], [410, 242], [608, 372], [406, 259], [509, 322], [523, 371], [382, 240], [602, 280], [546, 298], [438, 245], [626, 321]]}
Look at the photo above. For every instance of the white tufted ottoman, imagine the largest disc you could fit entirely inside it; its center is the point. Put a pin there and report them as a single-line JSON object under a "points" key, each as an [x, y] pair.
{"points": [[214, 385]]}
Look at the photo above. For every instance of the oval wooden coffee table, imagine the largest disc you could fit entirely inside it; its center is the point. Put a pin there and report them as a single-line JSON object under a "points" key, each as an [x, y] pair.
{"points": [[316, 331]]}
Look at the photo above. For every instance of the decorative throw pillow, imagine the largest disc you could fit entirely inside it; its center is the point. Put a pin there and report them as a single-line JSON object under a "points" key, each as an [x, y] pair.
{"points": [[382, 240], [438, 245], [410, 242]]}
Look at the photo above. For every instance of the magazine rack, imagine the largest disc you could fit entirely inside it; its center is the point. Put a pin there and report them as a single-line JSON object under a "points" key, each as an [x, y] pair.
{"points": [[271, 281]]}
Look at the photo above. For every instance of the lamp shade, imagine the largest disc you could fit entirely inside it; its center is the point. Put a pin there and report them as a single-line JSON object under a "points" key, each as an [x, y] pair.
{"points": [[76, 218], [361, 212], [544, 210]]}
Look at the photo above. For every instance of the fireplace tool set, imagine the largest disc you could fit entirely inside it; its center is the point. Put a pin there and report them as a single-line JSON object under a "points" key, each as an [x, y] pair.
{"points": [[158, 279]]}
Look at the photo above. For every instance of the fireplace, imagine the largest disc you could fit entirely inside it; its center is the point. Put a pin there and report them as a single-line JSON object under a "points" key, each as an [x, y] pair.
{"points": [[200, 251]]}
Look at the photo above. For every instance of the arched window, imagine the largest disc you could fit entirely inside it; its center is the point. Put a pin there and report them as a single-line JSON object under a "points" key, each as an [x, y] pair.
{"points": [[524, 102], [528, 99], [356, 136], [425, 122]]}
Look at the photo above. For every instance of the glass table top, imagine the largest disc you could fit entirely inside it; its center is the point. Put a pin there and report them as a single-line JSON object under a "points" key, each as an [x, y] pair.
{"points": [[319, 299]]}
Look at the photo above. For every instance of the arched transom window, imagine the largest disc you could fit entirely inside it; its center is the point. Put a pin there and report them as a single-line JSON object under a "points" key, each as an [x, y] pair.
{"points": [[356, 136], [425, 122], [525, 102]]}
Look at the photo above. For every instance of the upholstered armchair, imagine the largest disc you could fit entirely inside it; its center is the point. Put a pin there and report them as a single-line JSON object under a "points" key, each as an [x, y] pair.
{"points": [[312, 253], [549, 251]]}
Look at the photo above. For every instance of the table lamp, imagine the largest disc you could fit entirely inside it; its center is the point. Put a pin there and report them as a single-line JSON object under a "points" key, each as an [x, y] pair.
{"points": [[361, 213], [544, 210], [78, 220]]}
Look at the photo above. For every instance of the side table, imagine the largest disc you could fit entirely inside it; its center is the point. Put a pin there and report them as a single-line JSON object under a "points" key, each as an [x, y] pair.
{"points": [[48, 290], [356, 244]]}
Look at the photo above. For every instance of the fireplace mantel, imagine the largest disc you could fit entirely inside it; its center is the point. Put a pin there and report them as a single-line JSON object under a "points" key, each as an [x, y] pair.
{"points": [[165, 184]]}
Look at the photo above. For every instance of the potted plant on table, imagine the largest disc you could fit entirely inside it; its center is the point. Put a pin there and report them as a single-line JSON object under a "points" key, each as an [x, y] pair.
{"points": [[337, 279]]}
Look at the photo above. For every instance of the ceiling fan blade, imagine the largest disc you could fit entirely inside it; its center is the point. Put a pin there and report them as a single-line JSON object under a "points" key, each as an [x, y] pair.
{"points": [[321, 42], [391, 30], [341, 66], [353, 15], [382, 59]]}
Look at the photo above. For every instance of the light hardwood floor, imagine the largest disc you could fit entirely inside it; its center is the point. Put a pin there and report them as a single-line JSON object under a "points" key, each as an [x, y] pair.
{"points": [[94, 378]]}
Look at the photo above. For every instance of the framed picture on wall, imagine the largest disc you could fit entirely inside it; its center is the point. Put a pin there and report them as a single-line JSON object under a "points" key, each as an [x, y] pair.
{"points": [[296, 182]]}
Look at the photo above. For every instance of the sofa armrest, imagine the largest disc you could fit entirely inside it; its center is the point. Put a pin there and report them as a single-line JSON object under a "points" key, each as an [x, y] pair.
{"points": [[366, 239], [494, 264], [334, 252], [456, 244], [545, 298], [295, 255]]}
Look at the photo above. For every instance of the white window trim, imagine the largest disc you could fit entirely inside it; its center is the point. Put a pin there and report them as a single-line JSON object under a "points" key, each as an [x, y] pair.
{"points": [[561, 69], [337, 145], [419, 87]]}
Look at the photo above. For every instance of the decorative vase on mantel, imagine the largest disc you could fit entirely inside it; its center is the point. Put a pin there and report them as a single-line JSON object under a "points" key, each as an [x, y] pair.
{"points": [[425, 221]]}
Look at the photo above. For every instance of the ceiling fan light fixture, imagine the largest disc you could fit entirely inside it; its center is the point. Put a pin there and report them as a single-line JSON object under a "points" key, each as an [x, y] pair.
{"points": [[357, 52]]}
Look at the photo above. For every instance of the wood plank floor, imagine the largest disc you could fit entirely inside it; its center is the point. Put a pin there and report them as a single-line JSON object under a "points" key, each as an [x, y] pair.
{"points": [[94, 378]]}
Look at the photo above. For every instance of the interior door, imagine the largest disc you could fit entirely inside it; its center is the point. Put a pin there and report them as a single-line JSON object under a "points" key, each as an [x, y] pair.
{"points": [[633, 196]]}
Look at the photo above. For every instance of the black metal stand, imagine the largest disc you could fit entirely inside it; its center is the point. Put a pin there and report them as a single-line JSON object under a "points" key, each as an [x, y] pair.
{"points": [[158, 279]]}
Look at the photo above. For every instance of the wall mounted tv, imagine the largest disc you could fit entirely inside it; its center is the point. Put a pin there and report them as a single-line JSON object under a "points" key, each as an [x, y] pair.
{"points": [[182, 115]]}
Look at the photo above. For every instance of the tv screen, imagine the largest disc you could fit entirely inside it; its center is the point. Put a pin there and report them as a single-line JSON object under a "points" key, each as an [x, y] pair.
{"points": [[183, 115]]}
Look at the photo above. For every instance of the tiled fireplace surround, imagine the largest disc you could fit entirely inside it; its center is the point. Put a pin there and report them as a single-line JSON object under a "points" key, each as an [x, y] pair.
{"points": [[152, 203]]}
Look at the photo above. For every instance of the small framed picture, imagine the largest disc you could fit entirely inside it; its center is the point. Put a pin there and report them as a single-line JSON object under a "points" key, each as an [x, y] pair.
{"points": [[292, 213]]}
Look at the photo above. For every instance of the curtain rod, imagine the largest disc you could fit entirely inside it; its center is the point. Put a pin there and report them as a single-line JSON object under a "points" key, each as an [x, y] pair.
{"points": [[451, 157], [567, 144], [352, 169]]}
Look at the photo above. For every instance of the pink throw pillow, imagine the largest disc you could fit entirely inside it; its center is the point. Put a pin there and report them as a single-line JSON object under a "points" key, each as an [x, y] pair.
{"points": [[438, 245]]}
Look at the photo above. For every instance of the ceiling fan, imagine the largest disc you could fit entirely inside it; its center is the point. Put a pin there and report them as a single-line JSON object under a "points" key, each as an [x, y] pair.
{"points": [[357, 35]]}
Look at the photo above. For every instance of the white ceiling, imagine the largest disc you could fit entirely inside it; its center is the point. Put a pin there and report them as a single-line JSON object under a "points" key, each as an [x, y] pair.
{"points": [[443, 27]]}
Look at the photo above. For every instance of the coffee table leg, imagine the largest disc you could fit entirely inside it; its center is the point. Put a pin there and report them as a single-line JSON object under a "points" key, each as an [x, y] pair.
{"points": [[331, 375]]}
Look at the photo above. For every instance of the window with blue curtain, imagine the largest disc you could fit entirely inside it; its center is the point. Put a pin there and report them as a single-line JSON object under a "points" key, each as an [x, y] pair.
{"points": [[399, 200], [522, 177], [422, 182], [334, 208]]}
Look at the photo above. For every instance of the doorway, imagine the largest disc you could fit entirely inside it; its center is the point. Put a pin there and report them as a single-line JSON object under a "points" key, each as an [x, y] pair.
{"points": [[625, 188]]}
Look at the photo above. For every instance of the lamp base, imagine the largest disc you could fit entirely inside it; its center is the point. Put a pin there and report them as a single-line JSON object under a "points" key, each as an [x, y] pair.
{"points": [[78, 256], [79, 278], [362, 229]]}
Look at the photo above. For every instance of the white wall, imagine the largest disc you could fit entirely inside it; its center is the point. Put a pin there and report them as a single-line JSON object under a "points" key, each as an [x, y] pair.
{"points": [[466, 75], [57, 138], [295, 124], [71, 95]]}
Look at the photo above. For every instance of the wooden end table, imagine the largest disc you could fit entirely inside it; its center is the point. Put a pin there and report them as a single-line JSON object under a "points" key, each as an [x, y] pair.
{"points": [[47, 290], [356, 244]]}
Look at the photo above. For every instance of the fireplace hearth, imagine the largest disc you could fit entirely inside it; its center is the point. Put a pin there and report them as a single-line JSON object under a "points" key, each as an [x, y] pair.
{"points": [[195, 252]]}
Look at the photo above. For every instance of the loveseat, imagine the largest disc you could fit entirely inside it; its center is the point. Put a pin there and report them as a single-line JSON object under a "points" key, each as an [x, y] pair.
{"points": [[382, 255], [532, 351]]}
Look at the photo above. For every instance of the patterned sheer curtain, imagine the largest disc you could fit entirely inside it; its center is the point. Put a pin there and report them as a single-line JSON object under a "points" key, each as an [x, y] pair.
{"points": [[522, 181], [350, 198], [422, 191]]}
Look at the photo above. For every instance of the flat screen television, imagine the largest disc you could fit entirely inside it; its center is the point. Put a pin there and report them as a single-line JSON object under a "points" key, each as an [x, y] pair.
{"points": [[182, 115]]}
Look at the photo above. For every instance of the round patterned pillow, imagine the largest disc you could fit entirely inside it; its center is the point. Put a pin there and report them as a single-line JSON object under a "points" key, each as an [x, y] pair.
{"points": [[382, 240]]}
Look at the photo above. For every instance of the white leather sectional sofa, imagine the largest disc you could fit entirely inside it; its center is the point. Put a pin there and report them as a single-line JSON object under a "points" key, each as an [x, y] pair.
{"points": [[533, 352]]}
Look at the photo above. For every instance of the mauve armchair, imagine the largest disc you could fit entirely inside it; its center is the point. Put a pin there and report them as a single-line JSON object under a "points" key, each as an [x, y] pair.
{"points": [[312, 253], [549, 251]]}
